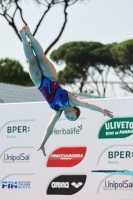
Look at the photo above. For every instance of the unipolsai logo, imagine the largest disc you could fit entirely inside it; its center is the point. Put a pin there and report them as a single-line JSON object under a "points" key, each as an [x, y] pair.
{"points": [[70, 131], [66, 184], [118, 185], [16, 185], [18, 158], [66, 157], [115, 180]]}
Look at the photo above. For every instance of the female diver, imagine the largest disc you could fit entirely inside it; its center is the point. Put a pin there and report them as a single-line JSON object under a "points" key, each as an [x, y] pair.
{"points": [[44, 76]]}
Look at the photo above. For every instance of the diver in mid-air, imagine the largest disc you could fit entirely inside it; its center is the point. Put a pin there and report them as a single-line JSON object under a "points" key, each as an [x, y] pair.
{"points": [[44, 76]]}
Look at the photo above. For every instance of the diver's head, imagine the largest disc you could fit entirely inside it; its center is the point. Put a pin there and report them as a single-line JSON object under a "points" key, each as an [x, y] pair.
{"points": [[73, 113]]}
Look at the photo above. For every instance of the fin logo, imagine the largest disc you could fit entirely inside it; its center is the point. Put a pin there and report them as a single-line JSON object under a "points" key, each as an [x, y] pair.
{"points": [[16, 185], [66, 157], [66, 184]]}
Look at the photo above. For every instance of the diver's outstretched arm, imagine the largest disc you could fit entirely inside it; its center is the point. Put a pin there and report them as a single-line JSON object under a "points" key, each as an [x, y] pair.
{"points": [[55, 116], [85, 104]]}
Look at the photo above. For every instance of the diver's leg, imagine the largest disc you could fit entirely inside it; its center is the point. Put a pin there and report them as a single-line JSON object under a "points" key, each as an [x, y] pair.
{"points": [[45, 65], [34, 70]]}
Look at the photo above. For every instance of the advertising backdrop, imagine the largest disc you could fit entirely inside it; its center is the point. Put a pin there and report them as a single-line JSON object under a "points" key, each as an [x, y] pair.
{"points": [[90, 158]]}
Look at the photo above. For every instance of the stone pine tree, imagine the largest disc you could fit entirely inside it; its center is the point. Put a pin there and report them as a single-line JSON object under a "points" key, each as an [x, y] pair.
{"points": [[123, 56], [84, 60]]}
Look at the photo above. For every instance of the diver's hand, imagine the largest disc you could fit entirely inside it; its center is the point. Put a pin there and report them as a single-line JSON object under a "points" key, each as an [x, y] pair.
{"points": [[43, 149], [107, 113]]}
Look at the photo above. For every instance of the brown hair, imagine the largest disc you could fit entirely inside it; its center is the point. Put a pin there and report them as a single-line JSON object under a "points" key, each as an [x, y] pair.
{"points": [[77, 111]]}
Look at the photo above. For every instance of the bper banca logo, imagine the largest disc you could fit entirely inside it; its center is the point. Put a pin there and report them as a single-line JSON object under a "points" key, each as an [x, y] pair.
{"points": [[66, 157], [117, 155], [120, 154], [66, 184], [18, 129], [12, 130]]}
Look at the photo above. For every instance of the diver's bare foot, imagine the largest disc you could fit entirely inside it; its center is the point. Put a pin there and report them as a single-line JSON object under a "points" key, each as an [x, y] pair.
{"points": [[26, 30], [21, 33]]}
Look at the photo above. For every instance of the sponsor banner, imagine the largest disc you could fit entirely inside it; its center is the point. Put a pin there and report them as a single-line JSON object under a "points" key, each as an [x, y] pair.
{"points": [[65, 169], [70, 131], [66, 157], [125, 185], [116, 180], [16, 185], [117, 128], [18, 154], [16, 128], [15, 158], [66, 184], [117, 155]]}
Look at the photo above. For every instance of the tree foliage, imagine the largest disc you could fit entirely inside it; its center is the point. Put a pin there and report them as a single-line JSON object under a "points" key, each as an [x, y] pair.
{"points": [[123, 56], [10, 9], [11, 71], [84, 59]]}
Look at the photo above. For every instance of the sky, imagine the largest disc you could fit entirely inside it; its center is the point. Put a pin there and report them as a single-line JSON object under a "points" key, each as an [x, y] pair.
{"points": [[105, 21]]}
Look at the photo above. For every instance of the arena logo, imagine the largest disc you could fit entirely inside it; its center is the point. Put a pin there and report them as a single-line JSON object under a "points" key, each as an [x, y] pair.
{"points": [[66, 184], [22, 157], [16, 185], [71, 131], [12, 130], [66, 157], [117, 128]]}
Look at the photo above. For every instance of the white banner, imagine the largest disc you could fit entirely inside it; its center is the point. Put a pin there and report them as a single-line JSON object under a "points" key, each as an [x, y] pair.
{"points": [[91, 158]]}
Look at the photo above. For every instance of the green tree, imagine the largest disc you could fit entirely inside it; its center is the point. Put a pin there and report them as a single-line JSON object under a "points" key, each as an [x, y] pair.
{"points": [[11, 71], [83, 60], [100, 70], [123, 56]]}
